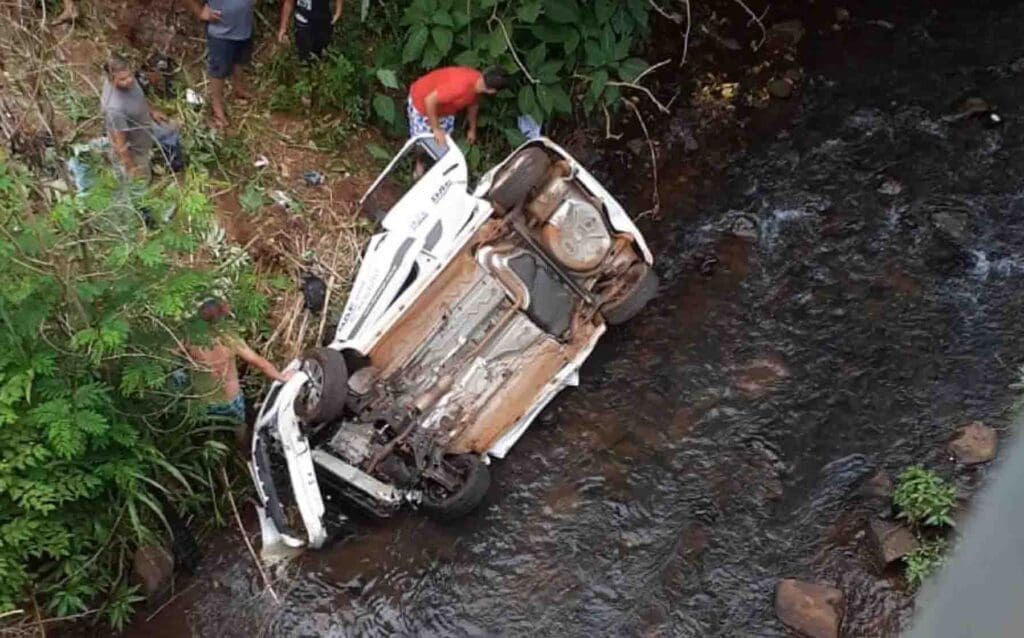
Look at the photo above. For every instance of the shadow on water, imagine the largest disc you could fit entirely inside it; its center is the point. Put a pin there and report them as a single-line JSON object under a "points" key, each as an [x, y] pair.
{"points": [[866, 300]]}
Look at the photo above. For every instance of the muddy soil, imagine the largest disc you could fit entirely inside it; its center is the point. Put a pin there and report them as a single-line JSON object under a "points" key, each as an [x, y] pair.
{"points": [[820, 319]]}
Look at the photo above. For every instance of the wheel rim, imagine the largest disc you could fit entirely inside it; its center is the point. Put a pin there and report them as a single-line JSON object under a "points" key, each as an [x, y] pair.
{"points": [[315, 384]]}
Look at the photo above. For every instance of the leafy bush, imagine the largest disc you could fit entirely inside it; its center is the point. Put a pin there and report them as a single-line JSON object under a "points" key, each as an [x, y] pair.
{"points": [[923, 498], [571, 52], [924, 561], [94, 436], [331, 84]]}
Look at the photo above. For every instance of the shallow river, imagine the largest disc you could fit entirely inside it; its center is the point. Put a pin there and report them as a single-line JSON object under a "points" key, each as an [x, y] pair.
{"points": [[720, 442]]}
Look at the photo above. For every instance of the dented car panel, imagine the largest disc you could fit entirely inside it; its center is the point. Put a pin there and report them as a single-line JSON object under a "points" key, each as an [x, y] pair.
{"points": [[471, 311]]}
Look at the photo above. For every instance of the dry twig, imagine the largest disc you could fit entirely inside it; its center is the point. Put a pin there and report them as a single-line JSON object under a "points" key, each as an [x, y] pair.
{"points": [[656, 197], [756, 19], [245, 537]]}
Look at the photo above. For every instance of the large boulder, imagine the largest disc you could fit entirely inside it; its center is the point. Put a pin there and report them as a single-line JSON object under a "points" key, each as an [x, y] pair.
{"points": [[891, 541], [814, 610], [878, 485], [153, 568], [974, 443]]}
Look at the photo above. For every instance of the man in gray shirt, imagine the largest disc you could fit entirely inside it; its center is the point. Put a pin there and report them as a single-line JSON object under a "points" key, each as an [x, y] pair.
{"points": [[129, 120], [228, 47]]}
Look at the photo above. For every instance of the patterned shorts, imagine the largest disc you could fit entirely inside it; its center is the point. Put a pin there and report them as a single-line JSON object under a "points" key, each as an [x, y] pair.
{"points": [[233, 409], [419, 124]]}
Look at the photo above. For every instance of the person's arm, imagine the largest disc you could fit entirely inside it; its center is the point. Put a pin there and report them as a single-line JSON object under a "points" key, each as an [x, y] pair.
{"points": [[157, 116], [471, 113], [435, 125], [120, 143], [243, 350], [287, 6], [339, 7], [203, 11]]}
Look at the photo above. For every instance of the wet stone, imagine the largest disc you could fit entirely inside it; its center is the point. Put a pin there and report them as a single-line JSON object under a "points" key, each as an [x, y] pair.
{"points": [[792, 30], [974, 443], [814, 610], [153, 568], [951, 224], [780, 88], [891, 541], [879, 485]]}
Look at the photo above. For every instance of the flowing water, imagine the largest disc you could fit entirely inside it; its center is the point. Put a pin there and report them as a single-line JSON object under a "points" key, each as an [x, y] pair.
{"points": [[865, 299]]}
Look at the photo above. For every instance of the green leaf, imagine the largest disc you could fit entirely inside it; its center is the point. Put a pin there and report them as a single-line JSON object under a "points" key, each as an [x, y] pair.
{"points": [[467, 58], [562, 101], [535, 56], [528, 11], [443, 18], [496, 43], [603, 10], [550, 32], [621, 48], [442, 39], [527, 102], [594, 54], [572, 41], [414, 43], [562, 11], [513, 136], [545, 99], [631, 68], [384, 107], [548, 72], [388, 78], [597, 82], [431, 56], [378, 152]]}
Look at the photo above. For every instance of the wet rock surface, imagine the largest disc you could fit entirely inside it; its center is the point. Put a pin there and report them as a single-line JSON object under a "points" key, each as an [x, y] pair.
{"points": [[974, 443], [891, 541], [813, 610]]}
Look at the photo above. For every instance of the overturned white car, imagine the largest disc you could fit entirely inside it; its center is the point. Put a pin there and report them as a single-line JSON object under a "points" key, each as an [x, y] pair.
{"points": [[470, 312]]}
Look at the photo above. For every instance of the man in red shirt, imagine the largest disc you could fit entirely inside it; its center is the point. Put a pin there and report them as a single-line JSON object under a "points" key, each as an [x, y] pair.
{"points": [[438, 96]]}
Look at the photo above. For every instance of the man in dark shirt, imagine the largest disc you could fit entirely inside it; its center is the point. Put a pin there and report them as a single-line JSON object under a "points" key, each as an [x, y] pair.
{"points": [[313, 25]]}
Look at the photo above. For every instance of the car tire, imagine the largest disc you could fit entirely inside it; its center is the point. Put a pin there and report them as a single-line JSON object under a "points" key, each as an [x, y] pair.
{"points": [[323, 398], [469, 495], [641, 287], [517, 181]]}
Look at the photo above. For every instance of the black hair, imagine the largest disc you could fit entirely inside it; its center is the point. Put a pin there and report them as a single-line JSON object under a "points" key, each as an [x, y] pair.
{"points": [[496, 78], [116, 64], [210, 310]]}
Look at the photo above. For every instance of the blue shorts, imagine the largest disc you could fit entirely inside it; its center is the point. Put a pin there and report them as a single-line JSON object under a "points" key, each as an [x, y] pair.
{"points": [[233, 409], [222, 56], [420, 124]]}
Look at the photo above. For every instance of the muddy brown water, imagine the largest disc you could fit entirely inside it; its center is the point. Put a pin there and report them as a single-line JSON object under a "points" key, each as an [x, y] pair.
{"points": [[719, 442]]}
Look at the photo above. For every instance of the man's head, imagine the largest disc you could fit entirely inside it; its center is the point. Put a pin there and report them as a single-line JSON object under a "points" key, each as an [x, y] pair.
{"points": [[493, 80], [214, 309], [120, 72]]}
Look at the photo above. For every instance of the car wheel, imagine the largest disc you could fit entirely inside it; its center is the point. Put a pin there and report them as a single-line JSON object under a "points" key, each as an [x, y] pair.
{"points": [[519, 179], [442, 505], [639, 287], [322, 398]]}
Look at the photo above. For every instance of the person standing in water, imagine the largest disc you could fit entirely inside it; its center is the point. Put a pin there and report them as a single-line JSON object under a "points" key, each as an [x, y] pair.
{"points": [[217, 378]]}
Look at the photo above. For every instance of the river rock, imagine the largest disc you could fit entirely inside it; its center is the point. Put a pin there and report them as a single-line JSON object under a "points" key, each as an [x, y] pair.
{"points": [[879, 485], [814, 610], [952, 224], [792, 30], [781, 88], [891, 541], [153, 568], [974, 443]]}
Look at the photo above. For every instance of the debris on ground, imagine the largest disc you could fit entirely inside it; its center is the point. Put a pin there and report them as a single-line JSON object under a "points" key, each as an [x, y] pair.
{"points": [[282, 199], [314, 292], [313, 178]]}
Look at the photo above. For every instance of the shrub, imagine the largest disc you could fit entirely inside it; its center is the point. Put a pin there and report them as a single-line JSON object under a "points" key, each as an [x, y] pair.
{"points": [[94, 436], [924, 561], [923, 498]]}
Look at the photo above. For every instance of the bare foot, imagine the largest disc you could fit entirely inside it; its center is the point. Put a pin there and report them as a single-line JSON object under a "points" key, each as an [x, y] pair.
{"points": [[243, 92], [218, 121], [69, 14]]}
